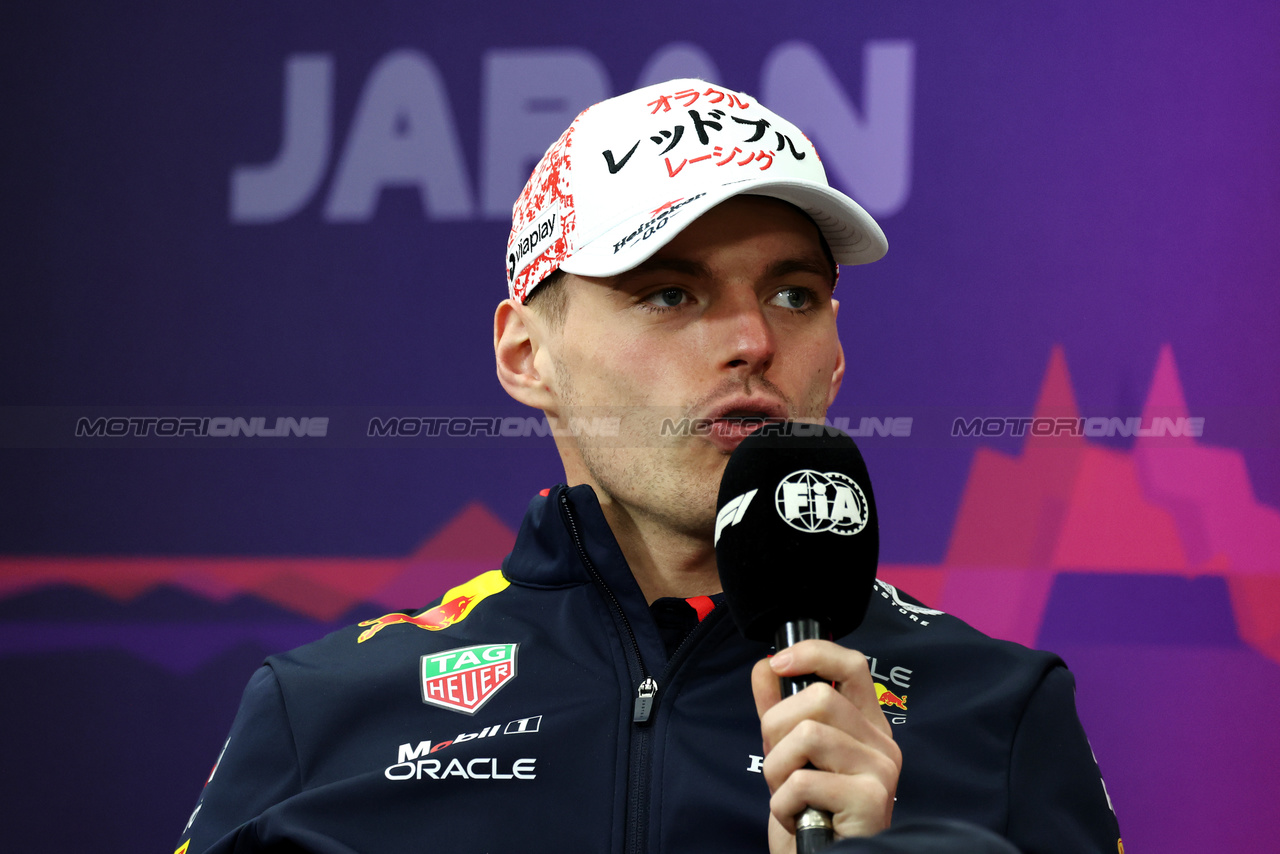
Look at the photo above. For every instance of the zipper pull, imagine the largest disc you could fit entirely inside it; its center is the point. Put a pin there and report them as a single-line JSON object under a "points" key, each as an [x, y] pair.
{"points": [[644, 700]]}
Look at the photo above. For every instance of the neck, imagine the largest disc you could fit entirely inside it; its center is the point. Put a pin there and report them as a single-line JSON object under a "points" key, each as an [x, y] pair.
{"points": [[664, 561]]}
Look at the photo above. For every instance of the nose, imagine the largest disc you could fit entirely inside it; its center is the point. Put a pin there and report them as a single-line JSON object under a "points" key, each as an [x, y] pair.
{"points": [[747, 338]]}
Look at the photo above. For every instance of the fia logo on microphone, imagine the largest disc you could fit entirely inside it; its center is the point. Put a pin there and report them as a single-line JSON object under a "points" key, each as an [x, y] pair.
{"points": [[815, 502]]}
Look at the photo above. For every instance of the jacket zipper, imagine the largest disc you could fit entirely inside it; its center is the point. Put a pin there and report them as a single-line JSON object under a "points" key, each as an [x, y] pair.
{"points": [[646, 693], [646, 689], [645, 701]]}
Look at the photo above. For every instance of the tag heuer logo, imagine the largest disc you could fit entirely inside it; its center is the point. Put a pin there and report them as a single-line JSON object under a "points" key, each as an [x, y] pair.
{"points": [[464, 679]]}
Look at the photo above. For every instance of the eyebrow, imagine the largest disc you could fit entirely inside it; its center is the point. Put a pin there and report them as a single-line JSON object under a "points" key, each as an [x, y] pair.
{"points": [[801, 265], [656, 265], [777, 270]]}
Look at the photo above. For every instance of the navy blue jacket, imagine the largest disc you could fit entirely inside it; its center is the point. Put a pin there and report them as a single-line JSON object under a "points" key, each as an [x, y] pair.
{"points": [[504, 719]]}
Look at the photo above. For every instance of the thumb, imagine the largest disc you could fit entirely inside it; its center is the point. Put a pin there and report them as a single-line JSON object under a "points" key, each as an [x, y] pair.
{"points": [[764, 686]]}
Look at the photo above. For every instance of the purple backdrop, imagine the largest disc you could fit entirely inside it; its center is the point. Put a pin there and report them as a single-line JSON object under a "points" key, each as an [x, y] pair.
{"points": [[296, 211]]}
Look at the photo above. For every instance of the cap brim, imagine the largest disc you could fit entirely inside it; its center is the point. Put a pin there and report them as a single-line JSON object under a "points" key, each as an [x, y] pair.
{"points": [[853, 236]]}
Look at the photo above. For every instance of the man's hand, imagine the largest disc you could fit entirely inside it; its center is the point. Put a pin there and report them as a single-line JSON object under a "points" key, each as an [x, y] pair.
{"points": [[839, 728]]}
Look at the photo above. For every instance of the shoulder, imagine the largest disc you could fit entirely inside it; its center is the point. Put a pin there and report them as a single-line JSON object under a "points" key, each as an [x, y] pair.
{"points": [[894, 613], [358, 656], [946, 653]]}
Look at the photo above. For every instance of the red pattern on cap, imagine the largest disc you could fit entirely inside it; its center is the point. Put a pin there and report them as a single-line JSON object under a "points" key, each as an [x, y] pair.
{"points": [[548, 186]]}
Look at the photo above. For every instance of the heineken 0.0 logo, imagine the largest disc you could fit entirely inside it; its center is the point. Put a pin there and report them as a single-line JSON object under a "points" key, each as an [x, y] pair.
{"points": [[464, 679]]}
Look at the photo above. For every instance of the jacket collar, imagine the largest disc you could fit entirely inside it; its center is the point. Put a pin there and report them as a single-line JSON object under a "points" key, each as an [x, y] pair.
{"points": [[546, 552], [557, 529]]}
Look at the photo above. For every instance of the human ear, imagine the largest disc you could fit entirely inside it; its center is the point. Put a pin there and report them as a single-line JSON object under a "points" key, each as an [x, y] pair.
{"points": [[837, 375], [517, 338]]}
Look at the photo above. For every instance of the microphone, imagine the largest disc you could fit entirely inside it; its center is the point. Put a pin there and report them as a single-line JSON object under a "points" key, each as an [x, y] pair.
{"points": [[797, 542]]}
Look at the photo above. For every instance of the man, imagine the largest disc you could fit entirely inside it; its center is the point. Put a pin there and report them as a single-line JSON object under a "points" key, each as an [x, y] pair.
{"points": [[673, 256]]}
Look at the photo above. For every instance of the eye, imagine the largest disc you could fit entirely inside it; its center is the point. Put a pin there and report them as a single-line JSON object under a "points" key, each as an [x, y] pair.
{"points": [[798, 299], [666, 298]]}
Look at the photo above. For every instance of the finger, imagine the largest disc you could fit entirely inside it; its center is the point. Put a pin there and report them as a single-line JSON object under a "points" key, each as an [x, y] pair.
{"points": [[822, 703], [764, 687], [828, 661], [817, 745], [781, 840], [847, 668], [860, 804]]}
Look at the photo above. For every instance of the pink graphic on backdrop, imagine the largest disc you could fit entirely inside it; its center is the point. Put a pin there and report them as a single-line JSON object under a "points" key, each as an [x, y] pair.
{"points": [[1169, 506], [472, 542], [1223, 525]]}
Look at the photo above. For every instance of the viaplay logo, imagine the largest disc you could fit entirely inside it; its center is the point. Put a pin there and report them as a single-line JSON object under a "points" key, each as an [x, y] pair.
{"points": [[464, 679], [535, 240], [815, 502]]}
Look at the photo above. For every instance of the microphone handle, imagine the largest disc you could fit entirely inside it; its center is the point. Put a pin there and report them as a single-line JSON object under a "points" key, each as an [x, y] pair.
{"points": [[814, 828]]}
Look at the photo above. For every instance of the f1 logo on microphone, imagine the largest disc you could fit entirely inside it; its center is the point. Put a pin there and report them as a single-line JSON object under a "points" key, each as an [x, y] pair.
{"points": [[732, 512], [814, 502]]}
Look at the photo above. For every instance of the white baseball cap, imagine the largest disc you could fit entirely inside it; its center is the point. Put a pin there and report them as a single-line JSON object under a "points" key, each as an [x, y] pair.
{"points": [[631, 172]]}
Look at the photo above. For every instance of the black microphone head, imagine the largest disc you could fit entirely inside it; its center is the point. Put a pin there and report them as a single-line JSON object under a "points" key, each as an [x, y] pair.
{"points": [[797, 536]]}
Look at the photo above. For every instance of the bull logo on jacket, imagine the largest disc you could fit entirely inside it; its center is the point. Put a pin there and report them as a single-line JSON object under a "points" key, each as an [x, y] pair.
{"points": [[453, 608]]}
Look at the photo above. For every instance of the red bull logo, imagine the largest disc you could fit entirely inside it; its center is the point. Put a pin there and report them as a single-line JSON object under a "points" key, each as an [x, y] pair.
{"points": [[433, 620], [454, 606], [889, 699]]}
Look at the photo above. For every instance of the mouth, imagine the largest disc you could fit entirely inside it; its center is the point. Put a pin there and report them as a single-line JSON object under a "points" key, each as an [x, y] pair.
{"points": [[748, 418], [739, 426], [730, 424]]}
